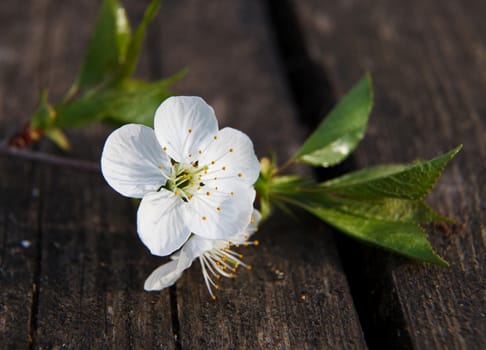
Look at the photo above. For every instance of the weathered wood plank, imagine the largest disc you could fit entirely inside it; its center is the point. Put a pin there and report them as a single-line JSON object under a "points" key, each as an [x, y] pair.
{"points": [[297, 295], [19, 55], [92, 265], [427, 60]]}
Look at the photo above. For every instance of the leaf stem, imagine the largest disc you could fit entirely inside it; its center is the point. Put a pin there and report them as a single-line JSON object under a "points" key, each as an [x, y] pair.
{"points": [[287, 164]]}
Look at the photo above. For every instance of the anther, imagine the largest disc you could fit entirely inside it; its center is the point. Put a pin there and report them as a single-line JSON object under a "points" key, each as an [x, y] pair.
{"points": [[161, 167], [218, 209], [215, 137], [164, 148], [249, 267], [224, 168], [256, 242], [208, 193], [231, 150], [189, 131], [204, 218], [240, 174], [232, 193]]}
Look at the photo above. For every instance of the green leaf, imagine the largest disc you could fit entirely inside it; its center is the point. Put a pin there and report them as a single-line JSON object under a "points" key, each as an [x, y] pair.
{"points": [[132, 102], [135, 46], [400, 237], [388, 209], [340, 131], [108, 46], [413, 181]]}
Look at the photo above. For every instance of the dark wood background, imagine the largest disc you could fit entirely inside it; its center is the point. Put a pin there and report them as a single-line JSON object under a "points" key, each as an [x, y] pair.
{"points": [[71, 265]]}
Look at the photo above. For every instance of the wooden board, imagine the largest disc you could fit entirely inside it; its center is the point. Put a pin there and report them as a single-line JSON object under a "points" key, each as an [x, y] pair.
{"points": [[79, 283], [19, 204], [233, 62], [427, 60]]}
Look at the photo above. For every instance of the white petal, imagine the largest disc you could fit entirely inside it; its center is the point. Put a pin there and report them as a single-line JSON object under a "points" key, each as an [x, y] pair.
{"points": [[167, 274], [160, 222], [231, 155], [185, 125], [220, 214], [249, 230], [133, 162], [164, 276]]}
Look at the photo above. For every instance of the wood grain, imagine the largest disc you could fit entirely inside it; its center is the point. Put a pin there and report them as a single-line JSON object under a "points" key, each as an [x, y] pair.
{"points": [[79, 284], [19, 228], [427, 60], [91, 265], [297, 296]]}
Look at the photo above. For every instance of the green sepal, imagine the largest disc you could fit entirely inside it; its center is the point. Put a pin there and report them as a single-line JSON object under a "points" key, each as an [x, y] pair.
{"points": [[57, 136], [44, 115], [341, 130]]}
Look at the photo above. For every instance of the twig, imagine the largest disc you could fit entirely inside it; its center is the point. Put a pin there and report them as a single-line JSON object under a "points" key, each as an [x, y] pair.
{"points": [[77, 164]]}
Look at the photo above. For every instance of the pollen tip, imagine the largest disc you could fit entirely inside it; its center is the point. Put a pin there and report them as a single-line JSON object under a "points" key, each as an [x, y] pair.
{"points": [[213, 297], [249, 267], [256, 242]]}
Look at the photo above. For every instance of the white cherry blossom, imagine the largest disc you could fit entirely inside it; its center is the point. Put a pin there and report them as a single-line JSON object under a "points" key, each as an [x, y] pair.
{"points": [[192, 177], [217, 259]]}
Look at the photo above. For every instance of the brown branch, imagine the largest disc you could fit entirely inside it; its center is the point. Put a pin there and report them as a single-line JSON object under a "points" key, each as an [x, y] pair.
{"points": [[77, 164]]}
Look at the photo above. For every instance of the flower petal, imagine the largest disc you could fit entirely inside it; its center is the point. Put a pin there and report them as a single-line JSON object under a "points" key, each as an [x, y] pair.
{"points": [[167, 274], [184, 125], [219, 214], [231, 156], [132, 161], [160, 222], [164, 276], [252, 227]]}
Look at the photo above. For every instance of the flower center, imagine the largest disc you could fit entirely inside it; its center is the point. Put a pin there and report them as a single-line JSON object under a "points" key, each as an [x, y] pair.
{"points": [[184, 180]]}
